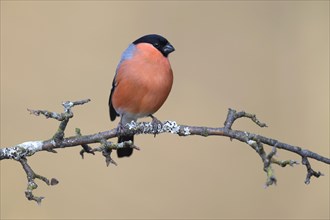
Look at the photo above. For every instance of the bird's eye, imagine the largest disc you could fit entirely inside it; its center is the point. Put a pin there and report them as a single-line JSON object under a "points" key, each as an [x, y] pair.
{"points": [[156, 44]]}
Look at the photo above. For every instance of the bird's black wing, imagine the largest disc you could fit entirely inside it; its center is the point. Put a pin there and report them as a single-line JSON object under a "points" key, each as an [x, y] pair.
{"points": [[112, 111]]}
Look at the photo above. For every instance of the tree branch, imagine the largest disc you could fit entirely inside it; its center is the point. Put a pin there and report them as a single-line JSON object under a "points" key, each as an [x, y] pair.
{"points": [[21, 151]]}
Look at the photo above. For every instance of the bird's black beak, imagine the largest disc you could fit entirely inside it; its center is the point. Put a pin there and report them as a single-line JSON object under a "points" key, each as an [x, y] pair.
{"points": [[168, 48]]}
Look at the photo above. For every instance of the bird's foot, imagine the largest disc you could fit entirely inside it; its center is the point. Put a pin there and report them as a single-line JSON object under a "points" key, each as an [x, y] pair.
{"points": [[120, 128], [156, 125]]}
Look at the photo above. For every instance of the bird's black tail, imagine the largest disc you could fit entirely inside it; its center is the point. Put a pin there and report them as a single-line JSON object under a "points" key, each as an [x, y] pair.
{"points": [[127, 151]]}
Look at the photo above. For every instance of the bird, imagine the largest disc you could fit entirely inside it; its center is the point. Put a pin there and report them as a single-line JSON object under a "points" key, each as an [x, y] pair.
{"points": [[142, 82]]}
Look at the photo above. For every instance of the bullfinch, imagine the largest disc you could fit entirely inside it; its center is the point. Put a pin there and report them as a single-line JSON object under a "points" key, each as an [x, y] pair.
{"points": [[142, 82]]}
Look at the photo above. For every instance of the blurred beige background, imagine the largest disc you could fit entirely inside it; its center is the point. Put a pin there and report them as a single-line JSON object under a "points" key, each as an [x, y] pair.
{"points": [[268, 58]]}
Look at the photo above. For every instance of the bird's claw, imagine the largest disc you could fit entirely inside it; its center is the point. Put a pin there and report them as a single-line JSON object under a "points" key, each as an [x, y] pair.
{"points": [[120, 128], [156, 125]]}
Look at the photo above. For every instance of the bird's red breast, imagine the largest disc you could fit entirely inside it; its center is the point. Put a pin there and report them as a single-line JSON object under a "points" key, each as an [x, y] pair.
{"points": [[143, 82]]}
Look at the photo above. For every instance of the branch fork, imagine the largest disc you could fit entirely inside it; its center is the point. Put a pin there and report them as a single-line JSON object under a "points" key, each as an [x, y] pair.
{"points": [[31, 185]]}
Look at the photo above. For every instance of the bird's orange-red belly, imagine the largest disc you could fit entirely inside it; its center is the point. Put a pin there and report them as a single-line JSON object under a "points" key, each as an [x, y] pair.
{"points": [[142, 86]]}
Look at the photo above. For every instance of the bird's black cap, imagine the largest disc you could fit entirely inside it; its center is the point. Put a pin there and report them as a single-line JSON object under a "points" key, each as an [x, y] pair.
{"points": [[158, 41]]}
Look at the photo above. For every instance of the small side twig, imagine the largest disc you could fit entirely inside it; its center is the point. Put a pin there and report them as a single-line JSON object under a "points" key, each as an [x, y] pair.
{"points": [[106, 148], [284, 163], [31, 176], [310, 171], [233, 115], [86, 147], [267, 161]]}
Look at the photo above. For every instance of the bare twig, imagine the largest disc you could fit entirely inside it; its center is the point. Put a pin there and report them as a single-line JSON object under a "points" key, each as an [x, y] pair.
{"points": [[86, 147], [31, 176], [21, 151], [310, 171]]}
